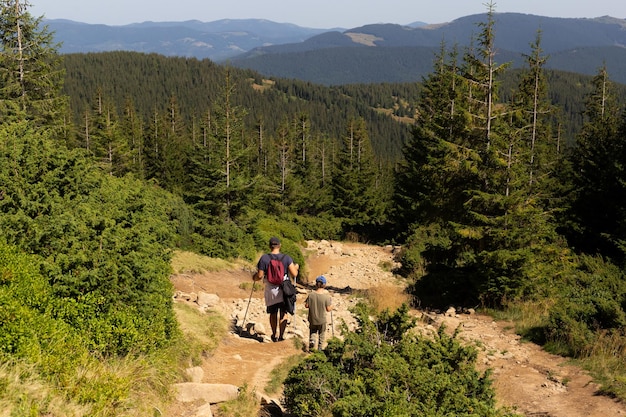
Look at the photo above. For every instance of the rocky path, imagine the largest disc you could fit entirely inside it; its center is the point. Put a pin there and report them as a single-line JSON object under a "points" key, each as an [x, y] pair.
{"points": [[531, 381]]}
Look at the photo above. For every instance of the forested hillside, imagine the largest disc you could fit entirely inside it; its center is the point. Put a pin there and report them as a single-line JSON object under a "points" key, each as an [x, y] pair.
{"points": [[109, 162], [394, 53]]}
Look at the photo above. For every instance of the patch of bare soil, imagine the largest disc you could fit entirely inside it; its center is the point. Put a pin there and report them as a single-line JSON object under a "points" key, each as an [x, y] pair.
{"points": [[529, 380]]}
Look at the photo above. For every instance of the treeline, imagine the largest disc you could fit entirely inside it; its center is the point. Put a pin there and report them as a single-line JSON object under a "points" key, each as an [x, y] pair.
{"points": [[497, 212], [148, 84], [492, 205]]}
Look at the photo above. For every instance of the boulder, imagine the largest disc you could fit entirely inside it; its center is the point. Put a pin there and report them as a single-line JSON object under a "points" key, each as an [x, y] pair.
{"points": [[207, 300], [451, 312], [210, 393], [195, 374]]}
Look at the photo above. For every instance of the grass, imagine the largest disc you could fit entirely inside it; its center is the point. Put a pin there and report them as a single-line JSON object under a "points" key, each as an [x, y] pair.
{"points": [[527, 316], [258, 286], [279, 374], [604, 360], [202, 331], [194, 263], [96, 387], [245, 405], [25, 393], [390, 297]]}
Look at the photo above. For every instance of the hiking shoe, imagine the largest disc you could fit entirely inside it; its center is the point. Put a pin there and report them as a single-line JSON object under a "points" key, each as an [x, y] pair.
{"points": [[274, 338]]}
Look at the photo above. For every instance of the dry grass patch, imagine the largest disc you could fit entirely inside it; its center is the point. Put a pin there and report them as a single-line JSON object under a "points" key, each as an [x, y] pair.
{"points": [[189, 262], [387, 296], [203, 331]]}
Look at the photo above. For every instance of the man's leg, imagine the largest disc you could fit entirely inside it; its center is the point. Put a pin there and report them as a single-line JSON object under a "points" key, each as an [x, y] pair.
{"points": [[274, 324], [283, 324]]}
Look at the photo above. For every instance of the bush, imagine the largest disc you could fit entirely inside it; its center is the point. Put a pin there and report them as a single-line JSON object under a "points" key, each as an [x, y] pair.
{"points": [[590, 303], [381, 369]]}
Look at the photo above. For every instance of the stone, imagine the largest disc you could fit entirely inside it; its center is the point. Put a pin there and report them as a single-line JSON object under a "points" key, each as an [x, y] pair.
{"points": [[259, 329], [204, 411], [187, 392], [195, 374], [207, 300]]}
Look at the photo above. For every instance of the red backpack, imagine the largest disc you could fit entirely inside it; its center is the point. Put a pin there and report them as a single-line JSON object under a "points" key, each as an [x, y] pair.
{"points": [[276, 270]]}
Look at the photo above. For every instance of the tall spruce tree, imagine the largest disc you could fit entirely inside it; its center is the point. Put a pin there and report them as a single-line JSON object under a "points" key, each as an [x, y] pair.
{"points": [[466, 180], [31, 74], [597, 210], [221, 182], [356, 197]]}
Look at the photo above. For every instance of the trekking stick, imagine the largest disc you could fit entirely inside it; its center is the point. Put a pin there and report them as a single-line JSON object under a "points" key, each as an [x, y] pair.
{"points": [[247, 307], [332, 322]]}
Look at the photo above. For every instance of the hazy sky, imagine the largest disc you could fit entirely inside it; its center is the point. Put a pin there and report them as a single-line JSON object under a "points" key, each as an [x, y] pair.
{"points": [[321, 14]]}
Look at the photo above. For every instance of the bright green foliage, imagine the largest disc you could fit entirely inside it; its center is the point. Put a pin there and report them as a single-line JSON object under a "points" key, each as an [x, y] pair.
{"points": [[473, 190], [593, 303], [384, 370], [102, 240]]}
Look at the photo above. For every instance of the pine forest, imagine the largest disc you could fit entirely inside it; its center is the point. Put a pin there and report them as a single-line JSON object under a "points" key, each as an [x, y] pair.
{"points": [[505, 188]]}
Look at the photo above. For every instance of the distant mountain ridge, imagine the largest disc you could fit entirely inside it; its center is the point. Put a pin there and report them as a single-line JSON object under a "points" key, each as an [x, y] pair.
{"points": [[217, 40], [371, 53], [395, 53]]}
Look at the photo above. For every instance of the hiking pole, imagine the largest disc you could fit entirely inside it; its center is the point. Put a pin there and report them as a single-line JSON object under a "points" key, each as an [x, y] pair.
{"points": [[247, 307], [332, 322]]}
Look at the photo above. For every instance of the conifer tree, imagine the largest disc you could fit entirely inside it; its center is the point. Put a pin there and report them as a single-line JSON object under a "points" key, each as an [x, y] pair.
{"points": [[31, 75], [355, 195], [597, 210], [132, 130], [221, 177]]}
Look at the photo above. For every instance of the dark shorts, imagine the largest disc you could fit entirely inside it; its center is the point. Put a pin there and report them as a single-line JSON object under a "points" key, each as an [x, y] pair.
{"points": [[276, 307]]}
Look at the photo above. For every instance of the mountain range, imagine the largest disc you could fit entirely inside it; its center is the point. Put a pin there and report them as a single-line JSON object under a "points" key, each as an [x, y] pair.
{"points": [[368, 54]]}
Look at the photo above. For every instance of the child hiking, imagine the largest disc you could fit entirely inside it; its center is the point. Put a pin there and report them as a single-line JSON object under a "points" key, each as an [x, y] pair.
{"points": [[319, 303], [269, 267]]}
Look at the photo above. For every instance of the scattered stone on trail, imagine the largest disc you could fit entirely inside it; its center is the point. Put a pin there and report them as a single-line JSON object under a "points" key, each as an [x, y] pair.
{"points": [[191, 297], [195, 373], [451, 312], [187, 392], [207, 300], [271, 405], [204, 411], [259, 329]]}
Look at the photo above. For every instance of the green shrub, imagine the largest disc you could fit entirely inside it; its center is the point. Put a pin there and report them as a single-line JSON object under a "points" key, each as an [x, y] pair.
{"points": [[589, 303], [381, 369]]}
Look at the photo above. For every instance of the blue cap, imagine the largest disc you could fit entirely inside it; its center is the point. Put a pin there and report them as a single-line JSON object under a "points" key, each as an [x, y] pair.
{"points": [[321, 279]]}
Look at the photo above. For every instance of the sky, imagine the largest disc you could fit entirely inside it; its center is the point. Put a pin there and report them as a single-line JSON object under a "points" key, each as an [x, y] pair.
{"points": [[320, 14]]}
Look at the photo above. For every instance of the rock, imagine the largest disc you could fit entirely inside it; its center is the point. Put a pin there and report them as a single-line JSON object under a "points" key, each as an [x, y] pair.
{"points": [[451, 312], [204, 411], [210, 393], [195, 374], [207, 300], [259, 329], [192, 297], [270, 404]]}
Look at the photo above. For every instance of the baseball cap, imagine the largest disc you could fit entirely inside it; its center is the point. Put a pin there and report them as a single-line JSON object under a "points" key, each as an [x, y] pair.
{"points": [[274, 241], [321, 279]]}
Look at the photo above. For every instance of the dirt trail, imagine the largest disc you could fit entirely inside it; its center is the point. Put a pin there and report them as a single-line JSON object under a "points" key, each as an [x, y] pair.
{"points": [[526, 378]]}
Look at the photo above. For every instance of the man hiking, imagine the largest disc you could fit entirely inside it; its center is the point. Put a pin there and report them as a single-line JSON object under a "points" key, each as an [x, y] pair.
{"points": [[269, 267], [319, 303]]}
